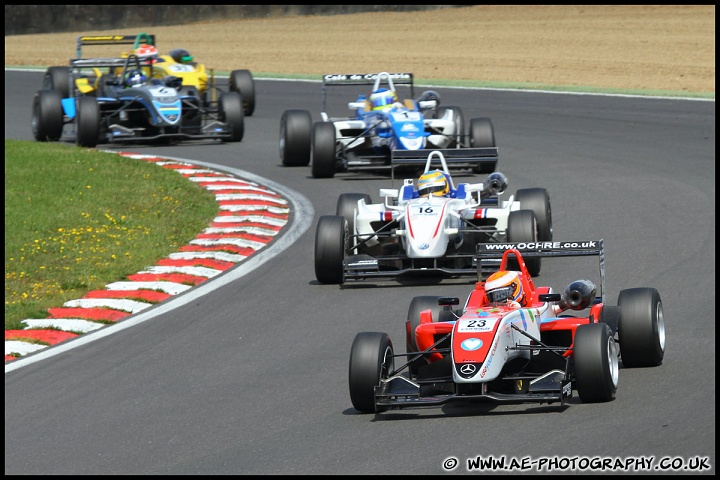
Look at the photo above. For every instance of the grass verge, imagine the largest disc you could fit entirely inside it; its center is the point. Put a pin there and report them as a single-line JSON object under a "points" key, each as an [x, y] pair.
{"points": [[77, 219]]}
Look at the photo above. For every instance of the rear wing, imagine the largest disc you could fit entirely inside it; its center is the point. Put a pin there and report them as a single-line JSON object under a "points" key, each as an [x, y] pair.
{"points": [[81, 63], [374, 79], [456, 158], [135, 40], [492, 252]]}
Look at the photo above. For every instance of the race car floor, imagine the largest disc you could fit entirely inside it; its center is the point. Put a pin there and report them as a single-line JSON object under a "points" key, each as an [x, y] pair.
{"points": [[249, 217]]}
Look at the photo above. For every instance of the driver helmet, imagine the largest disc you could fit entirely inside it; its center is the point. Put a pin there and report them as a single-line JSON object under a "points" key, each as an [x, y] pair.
{"points": [[147, 52], [180, 55], [429, 95], [433, 182], [505, 286], [381, 98], [135, 77]]}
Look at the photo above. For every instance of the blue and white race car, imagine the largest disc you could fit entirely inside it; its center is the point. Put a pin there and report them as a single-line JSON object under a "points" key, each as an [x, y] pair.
{"points": [[384, 130]]}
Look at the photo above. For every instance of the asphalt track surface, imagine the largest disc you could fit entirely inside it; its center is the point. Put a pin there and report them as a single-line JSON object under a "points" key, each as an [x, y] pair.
{"points": [[249, 376]]}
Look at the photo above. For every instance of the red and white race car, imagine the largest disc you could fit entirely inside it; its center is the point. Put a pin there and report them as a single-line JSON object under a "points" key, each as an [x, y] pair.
{"points": [[515, 344]]}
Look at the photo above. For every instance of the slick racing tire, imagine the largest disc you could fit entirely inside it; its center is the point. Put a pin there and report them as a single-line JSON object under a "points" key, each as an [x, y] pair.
{"points": [[482, 134], [47, 116], [58, 78], [459, 120], [242, 82], [371, 360], [105, 84], [295, 138], [323, 150], [538, 200], [346, 206], [231, 113], [331, 239], [417, 305], [595, 355], [87, 122], [523, 227], [641, 332], [610, 316]]}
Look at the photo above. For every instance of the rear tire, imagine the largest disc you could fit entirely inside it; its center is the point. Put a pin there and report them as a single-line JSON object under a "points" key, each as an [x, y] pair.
{"points": [[522, 227], [482, 134], [295, 138], [87, 122], [417, 305], [242, 82], [641, 332], [47, 116], [538, 200], [58, 78], [459, 125], [323, 150], [346, 205], [371, 360], [331, 238], [231, 112], [596, 363]]}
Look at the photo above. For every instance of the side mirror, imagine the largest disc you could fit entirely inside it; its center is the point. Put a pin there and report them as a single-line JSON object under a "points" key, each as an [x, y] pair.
{"points": [[550, 297], [427, 104], [172, 81], [448, 301]]}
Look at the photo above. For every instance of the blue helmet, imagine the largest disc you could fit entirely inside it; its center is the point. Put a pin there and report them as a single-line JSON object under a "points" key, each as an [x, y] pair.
{"points": [[135, 77]]}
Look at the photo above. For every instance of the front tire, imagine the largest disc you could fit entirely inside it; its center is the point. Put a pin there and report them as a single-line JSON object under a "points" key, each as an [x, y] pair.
{"points": [[242, 82], [522, 227], [596, 363], [641, 332], [231, 113], [323, 150], [371, 360], [538, 200], [47, 116], [295, 138], [331, 238], [482, 134], [87, 122]]}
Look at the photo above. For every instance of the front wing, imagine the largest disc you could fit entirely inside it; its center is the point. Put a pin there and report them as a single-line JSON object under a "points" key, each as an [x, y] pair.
{"points": [[401, 392]]}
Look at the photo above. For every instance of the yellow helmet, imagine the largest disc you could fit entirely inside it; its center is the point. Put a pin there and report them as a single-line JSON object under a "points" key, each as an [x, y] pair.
{"points": [[382, 98], [433, 182]]}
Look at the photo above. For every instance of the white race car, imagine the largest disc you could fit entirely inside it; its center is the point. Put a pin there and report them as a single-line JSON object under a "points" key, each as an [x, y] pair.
{"points": [[437, 235], [375, 137]]}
